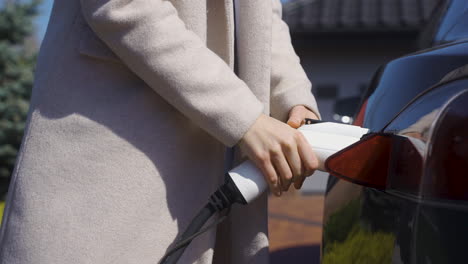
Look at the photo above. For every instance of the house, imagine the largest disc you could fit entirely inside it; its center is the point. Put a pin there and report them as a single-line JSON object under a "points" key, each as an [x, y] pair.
{"points": [[341, 43]]}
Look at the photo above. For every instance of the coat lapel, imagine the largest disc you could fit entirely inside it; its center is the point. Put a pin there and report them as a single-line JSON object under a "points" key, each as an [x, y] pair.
{"points": [[220, 29], [253, 38]]}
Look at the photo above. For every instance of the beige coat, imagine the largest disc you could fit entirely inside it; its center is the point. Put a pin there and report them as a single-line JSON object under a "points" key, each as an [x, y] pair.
{"points": [[133, 105]]}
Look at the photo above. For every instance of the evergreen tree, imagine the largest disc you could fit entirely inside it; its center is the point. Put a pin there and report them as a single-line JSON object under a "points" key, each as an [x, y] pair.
{"points": [[16, 78]]}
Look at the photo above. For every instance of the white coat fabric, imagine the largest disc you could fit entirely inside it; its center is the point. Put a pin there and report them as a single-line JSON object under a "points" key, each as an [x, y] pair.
{"points": [[133, 106]]}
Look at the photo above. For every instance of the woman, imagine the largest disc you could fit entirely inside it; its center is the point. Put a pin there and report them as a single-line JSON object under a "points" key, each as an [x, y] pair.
{"points": [[133, 106]]}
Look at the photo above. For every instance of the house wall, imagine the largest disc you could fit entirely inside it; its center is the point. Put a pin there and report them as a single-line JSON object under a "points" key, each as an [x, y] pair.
{"points": [[347, 63]]}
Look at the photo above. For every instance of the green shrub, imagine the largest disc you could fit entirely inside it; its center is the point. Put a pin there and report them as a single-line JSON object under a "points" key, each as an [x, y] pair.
{"points": [[16, 78], [349, 240], [341, 223], [361, 247]]}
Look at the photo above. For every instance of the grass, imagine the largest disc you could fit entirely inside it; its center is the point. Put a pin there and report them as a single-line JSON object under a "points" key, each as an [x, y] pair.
{"points": [[2, 206]]}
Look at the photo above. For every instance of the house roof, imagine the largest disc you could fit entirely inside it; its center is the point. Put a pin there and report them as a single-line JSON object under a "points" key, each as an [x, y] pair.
{"points": [[357, 15]]}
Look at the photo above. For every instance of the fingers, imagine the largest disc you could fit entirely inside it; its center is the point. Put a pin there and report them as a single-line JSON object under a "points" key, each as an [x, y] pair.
{"points": [[307, 155], [288, 163], [309, 161], [271, 177], [304, 154], [283, 170], [294, 159], [282, 153], [299, 181], [296, 116]]}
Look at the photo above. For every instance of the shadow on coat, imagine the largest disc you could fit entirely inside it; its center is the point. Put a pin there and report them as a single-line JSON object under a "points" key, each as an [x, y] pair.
{"points": [[132, 153]]}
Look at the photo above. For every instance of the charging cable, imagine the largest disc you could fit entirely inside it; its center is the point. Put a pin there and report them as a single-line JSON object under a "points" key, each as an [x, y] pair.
{"points": [[219, 202], [245, 182]]}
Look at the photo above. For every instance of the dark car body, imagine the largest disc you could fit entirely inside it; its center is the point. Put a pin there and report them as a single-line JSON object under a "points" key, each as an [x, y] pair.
{"points": [[421, 216]]}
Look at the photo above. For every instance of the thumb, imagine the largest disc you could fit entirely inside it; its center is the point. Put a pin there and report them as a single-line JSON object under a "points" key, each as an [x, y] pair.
{"points": [[296, 117]]}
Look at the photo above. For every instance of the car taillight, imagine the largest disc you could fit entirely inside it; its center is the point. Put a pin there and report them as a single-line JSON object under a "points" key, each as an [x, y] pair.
{"points": [[365, 162], [381, 161], [433, 167], [446, 169], [406, 164]]}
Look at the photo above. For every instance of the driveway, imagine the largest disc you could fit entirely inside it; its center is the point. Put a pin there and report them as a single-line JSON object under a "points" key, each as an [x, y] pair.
{"points": [[295, 227]]}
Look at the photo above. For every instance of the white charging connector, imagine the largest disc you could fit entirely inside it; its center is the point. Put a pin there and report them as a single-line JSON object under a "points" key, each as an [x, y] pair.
{"points": [[246, 182], [325, 138]]}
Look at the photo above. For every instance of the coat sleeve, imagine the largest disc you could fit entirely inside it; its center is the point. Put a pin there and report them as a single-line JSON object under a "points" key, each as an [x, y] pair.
{"points": [[290, 85], [150, 38]]}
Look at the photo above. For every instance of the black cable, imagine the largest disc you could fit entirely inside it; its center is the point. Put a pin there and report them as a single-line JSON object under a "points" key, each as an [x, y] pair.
{"points": [[220, 200], [174, 254]]}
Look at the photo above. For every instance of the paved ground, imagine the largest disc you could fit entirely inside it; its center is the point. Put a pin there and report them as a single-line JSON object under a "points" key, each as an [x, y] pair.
{"points": [[295, 227]]}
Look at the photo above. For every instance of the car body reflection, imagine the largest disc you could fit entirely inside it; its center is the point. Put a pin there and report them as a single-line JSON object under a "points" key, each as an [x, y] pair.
{"points": [[420, 215]]}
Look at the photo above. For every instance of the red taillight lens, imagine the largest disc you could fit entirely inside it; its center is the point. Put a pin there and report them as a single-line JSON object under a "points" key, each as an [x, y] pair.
{"points": [[434, 168], [406, 164], [365, 162]]}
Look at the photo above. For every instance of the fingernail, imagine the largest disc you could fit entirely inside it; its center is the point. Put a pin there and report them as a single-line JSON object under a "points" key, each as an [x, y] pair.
{"points": [[293, 123]]}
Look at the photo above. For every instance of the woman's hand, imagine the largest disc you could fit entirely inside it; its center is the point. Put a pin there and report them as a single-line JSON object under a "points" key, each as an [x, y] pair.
{"points": [[297, 117], [281, 152]]}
